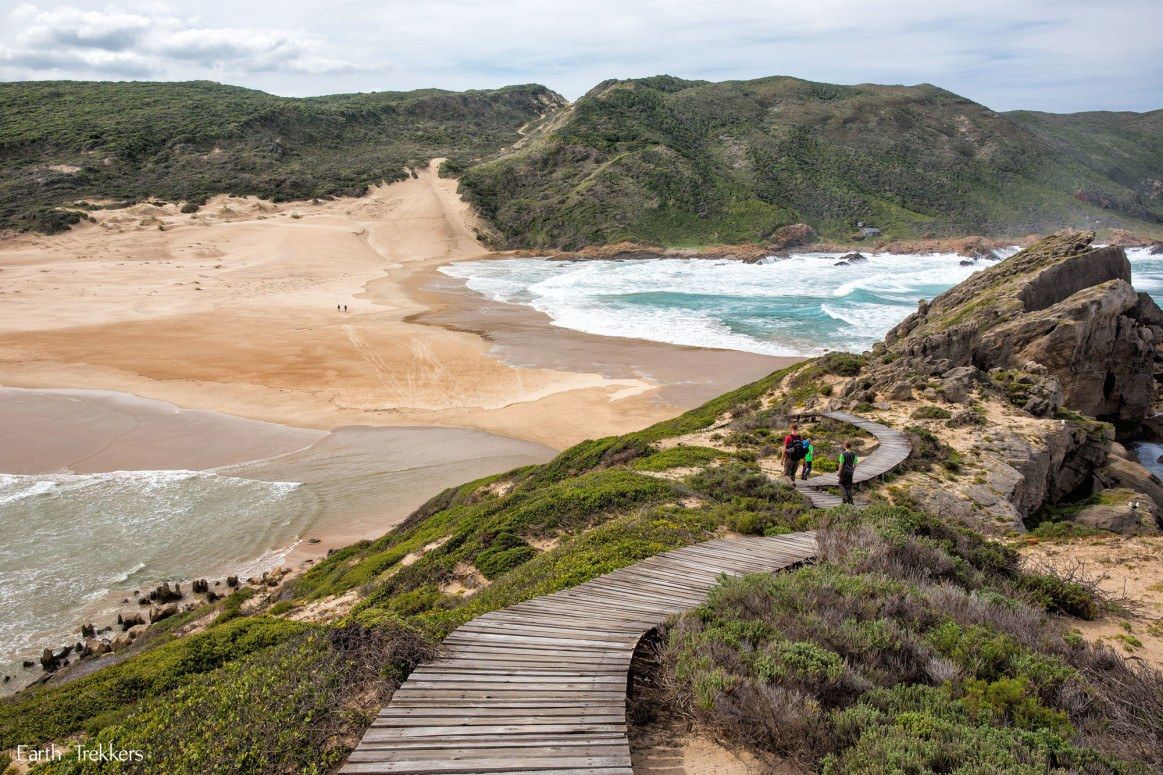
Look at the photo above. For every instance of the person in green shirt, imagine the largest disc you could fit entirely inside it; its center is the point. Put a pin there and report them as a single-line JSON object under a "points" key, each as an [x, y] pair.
{"points": [[846, 471], [810, 451]]}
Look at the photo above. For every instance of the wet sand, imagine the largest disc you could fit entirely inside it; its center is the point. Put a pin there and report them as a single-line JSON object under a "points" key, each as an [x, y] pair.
{"points": [[683, 377], [105, 493], [366, 479]]}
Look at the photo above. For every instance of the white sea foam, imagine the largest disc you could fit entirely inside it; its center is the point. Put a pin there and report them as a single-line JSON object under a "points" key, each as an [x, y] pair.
{"points": [[799, 304], [71, 540]]}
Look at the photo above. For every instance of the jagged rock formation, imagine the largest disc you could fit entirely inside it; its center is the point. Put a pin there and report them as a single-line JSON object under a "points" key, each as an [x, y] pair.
{"points": [[1062, 353], [1062, 314]]}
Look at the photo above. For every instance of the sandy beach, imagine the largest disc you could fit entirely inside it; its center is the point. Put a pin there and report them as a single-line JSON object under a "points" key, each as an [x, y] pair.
{"points": [[233, 309], [105, 493], [196, 368]]}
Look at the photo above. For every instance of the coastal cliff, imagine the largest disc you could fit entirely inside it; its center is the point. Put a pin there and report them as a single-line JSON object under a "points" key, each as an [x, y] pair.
{"points": [[1065, 307], [918, 636], [1030, 369]]}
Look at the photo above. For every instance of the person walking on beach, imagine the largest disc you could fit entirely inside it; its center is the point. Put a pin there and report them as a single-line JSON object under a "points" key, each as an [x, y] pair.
{"points": [[793, 453], [809, 453], [345, 308], [847, 471]]}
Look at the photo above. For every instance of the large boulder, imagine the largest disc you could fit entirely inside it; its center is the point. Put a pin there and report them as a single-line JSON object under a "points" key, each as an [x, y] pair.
{"points": [[1121, 511], [1120, 473], [1060, 305]]}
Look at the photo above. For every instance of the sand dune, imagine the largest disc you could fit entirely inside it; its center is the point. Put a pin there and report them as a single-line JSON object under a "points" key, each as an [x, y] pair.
{"points": [[234, 309]]}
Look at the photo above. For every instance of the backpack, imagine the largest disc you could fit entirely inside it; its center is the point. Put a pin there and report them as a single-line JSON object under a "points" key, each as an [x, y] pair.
{"points": [[847, 465], [797, 449]]}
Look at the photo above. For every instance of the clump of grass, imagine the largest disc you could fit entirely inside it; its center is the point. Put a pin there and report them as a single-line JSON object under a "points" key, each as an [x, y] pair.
{"points": [[930, 412], [682, 456]]}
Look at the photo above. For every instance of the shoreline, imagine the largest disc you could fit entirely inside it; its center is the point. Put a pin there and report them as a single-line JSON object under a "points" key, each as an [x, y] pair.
{"points": [[683, 376], [351, 483]]}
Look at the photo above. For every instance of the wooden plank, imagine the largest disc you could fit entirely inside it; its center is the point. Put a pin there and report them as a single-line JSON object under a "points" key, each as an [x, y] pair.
{"points": [[540, 686]]}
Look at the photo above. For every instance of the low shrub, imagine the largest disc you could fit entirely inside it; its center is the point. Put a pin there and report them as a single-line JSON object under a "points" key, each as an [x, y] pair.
{"points": [[930, 412], [910, 647], [328, 684], [679, 457]]}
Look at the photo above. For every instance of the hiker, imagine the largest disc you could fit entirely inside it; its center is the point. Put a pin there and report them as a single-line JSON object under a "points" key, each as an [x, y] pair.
{"points": [[847, 470], [809, 453], [793, 453], [338, 307], [345, 308]]}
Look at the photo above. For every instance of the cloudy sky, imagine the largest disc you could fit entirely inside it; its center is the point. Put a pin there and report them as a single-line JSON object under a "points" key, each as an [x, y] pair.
{"points": [[1059, 55]]}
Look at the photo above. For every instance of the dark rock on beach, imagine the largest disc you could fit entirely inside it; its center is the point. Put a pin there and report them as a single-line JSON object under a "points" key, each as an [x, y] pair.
{"points": [[130, 620], [159, 612]]}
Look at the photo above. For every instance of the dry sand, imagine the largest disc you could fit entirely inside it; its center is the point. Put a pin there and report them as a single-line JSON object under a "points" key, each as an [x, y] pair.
{"points": [[1130, 571], [233, 309]]}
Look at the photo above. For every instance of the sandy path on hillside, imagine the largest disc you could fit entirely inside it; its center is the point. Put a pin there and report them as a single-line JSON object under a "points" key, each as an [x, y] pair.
{"points": [[233, 309]]}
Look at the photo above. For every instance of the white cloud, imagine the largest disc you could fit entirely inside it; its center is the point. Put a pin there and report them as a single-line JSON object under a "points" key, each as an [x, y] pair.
{"points": [[111, 42], [1044, 54]]}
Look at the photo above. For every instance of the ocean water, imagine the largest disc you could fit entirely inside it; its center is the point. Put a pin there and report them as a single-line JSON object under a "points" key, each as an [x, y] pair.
{"points": [[800, 305], [75, 542]]}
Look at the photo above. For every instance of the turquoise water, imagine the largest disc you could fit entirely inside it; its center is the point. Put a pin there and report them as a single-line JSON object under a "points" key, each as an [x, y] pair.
{"points": [[800, 305]]}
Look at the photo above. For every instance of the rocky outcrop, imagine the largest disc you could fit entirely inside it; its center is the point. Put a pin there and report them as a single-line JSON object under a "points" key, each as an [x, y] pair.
{"points": [[797, 235], [1121, 511], [1059, 309]]}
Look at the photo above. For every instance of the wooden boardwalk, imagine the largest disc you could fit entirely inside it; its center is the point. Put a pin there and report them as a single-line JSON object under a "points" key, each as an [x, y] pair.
{"points": [[540, 687], [892, 450]]}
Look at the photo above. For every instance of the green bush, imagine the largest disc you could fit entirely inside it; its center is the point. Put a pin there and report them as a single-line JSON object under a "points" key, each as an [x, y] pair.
{"points": [[88, 704], [497, 562], [679, 457], [1057, 594], [929, 412], [907, 648], [291, 707]]}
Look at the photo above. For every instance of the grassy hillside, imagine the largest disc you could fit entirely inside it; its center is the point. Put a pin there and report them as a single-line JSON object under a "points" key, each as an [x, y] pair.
{"points": [[672, 162], [64, 142], [1118, 157], [914, 642]]}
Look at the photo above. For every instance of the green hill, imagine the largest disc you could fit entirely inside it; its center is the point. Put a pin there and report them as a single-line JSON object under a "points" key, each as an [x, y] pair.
{"points": [[63, 142], [671, 162], [659, 160]]}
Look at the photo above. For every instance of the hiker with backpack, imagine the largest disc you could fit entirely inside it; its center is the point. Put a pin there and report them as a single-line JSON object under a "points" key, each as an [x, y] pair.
{"points": [[793, 453], [847, 471], [809, 454]]}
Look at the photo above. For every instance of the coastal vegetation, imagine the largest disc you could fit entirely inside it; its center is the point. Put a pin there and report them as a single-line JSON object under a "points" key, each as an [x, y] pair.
{"points": [[667, 162], [658, 161], [919, 640], [68, 147], [912, 646], [914, 641]]}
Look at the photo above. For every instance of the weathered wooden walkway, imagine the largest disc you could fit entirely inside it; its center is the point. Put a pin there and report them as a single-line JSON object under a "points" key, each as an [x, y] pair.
{"points": [[540, 687], [892, 450]]}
